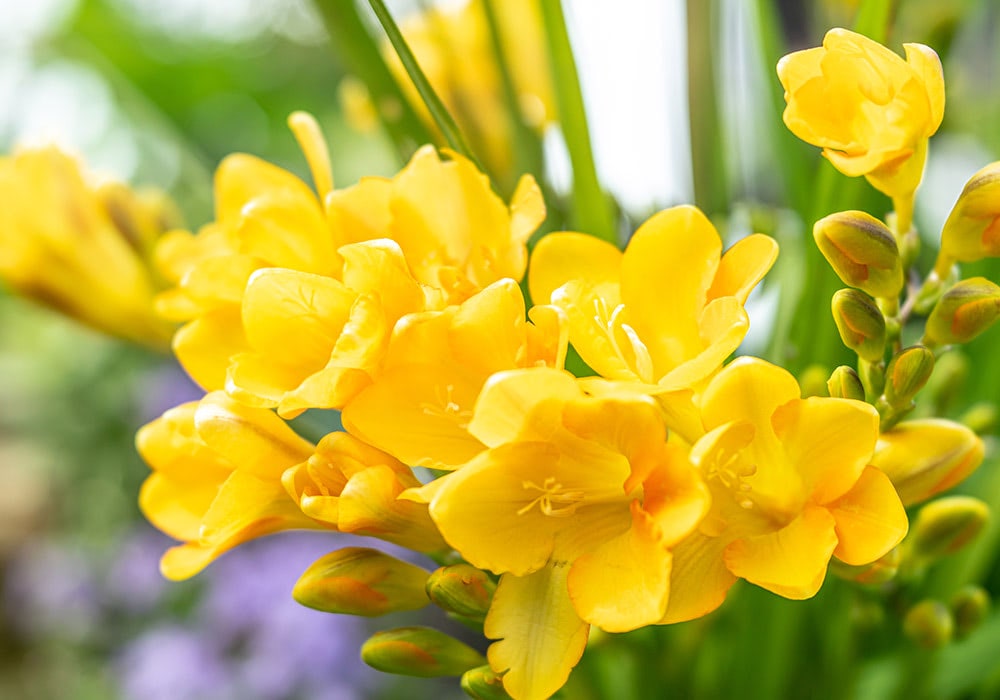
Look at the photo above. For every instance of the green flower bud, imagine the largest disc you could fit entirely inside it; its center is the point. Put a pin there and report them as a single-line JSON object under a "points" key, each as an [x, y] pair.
{"points": [[946, 525], [419, 651], [845, 383], [929, 624], [813, 381], [907, 373], [360, 581], [862, 251], [482, 684], [981, 418], [970, 606], [860, 323], [965, 311], [462, 589], [880, 571]]}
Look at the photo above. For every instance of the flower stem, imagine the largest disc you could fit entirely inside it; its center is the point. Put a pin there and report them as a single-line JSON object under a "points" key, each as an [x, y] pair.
{"points": [[590, 209], [435, 106]]}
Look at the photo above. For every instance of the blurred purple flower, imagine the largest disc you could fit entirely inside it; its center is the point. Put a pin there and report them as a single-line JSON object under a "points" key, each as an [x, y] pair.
{"points": [[164, 387], [174, 663], [134, 581]]}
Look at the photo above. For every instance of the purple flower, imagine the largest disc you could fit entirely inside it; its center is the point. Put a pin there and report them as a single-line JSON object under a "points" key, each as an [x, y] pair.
{"points": [[170, 663]]}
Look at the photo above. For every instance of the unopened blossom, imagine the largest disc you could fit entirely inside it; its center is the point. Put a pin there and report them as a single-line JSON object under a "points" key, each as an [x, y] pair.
{"points": [[870, 110], [577, 505], [791, 486], [81, 249]]}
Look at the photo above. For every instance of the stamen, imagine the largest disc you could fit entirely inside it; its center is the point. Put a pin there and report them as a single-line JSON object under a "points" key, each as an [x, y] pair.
{"points": [[446, 407], [552, 493], [641, 362]]}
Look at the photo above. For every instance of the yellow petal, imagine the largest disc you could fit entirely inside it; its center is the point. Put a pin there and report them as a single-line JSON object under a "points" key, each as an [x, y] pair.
{"points": [[176, 507], [488, 511], [509, 398], [722, 324], [699, 579], [561, 257], [361, 212], [205, 345], [527, 209], [419, 415], [295, 316], [743, 266], [487, 333], [241, 177], [829, 442], [870, 519], [674, 255], [287, 234], [312, 143], [791, 561], [255, 440], [260, 380], [379, 267], [541, 636], [624, 583], [925, 61]]}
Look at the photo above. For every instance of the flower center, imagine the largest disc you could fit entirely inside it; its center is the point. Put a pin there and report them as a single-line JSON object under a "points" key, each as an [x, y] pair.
{"points": [[445, 406], [624, 340], [554, 500], [732, 472]]}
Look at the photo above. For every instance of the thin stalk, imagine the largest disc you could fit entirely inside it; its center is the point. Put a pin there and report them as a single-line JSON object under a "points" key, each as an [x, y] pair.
{"points": [[591, 210], [440, 114], [362, 56], [708, 164]]}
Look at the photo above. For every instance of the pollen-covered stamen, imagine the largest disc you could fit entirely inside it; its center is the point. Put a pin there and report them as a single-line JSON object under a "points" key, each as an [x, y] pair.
{"points": [[731, 471], [445, 406], [621, 334], [554, 499]]}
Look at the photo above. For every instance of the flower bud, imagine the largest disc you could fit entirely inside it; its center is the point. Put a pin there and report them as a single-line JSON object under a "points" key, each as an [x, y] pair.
{"points": [[360, 581], [946, 525], [862, 251], [860, 323], [965, 311], [925, 457], [845, 383], [882, 570], [972, 231], [419, 651], [981, 418], [907, 373], [483, 684], [462, 589], [970, 606], [813, 381], [929, 624]]}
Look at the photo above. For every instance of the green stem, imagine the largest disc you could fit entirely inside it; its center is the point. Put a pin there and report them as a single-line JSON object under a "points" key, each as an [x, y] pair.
{"points": [[350, 36], [708, 165], [435, 106], [591, 211]]}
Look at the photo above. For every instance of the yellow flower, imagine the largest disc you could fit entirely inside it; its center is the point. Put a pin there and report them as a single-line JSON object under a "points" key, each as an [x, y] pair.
{"points": [[972, 231], [577, 504], [446, 230], [216, 480], [869, 110], [79, 249], [667, 312], [456, 53], [420, 405], [353, 487], [924, 457], [791, 486]]}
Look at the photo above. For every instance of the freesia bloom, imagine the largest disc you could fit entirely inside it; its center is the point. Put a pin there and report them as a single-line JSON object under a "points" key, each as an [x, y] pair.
{"points": [[869, 110], [420, 405], [80, 249], [353, 487], [436, 224], [577, 505], [216, 479], [924, 457], [791, 486], [664, 314]]}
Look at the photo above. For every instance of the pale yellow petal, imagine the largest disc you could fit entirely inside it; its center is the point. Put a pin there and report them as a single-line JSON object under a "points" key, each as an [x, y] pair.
{"points": [[205, 345], [743, 266], [699, 579], [927, 65], [562, 257], [509, 398], [870, 520]]}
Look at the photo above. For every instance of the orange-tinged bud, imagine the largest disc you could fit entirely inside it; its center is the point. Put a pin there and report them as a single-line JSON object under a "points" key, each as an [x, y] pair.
{"points": [[845, 383], [860, 323], [862, 251], [965, 311], [929, 623], [483, 684], [946, 525], [906, 375], [972, 231], [419, 651], [925, 457], [462, 589], [361, 581]]}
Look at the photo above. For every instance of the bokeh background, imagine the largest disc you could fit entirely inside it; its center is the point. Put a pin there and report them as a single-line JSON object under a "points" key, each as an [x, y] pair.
{"points": [[156, 93]]}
